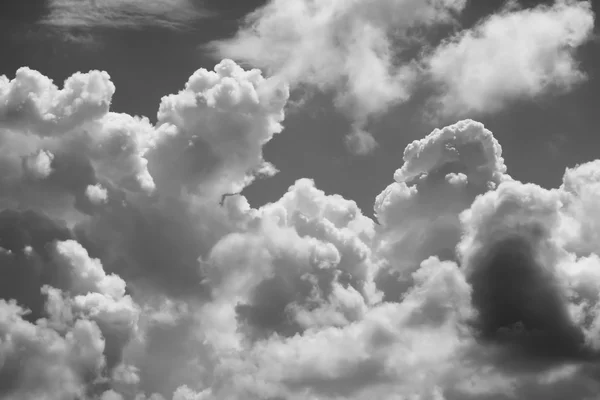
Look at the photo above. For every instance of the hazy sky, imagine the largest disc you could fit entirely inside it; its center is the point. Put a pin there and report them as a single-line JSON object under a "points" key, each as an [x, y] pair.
{"points": [[411, 212]]}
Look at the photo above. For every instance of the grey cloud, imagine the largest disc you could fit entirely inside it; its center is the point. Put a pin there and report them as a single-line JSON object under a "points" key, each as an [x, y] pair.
{"points": [[27, 263], [471, 284], [123, 14]]}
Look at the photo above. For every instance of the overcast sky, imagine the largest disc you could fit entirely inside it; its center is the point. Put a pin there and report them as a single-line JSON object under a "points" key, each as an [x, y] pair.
{"points": [[296, 199]]}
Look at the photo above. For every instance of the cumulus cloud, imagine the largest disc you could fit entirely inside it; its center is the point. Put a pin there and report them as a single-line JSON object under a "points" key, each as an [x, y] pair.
{"points": [[58, 141], [32, 100], [517, 53], [171, 14], [39, 165], [96, 194], [137, 273], [26, 238], [65, 156], [217, 126], [418, 214], [38, 362]]}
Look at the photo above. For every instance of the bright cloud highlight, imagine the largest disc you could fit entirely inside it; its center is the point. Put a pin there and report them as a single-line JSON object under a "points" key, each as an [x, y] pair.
{"points": [[515, 54]]}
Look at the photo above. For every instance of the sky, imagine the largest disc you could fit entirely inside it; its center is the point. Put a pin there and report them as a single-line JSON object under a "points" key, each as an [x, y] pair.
{"points": [[298, 199]]}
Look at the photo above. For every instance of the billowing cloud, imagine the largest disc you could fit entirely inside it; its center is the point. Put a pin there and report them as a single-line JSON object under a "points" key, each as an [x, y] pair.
{"points": [[70, 158], [418, 214], [216, 127], [491, 274], [171, 14], [34, 102], [139, 273], [26, 239], [354, 48], [38, 362], [58, 141], [517, 53], [372, 55]]}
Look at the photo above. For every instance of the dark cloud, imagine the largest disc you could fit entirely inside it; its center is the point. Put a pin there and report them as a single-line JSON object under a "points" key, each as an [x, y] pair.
{"points": [[522, 305], [148, 247], [28, 235], [267, 311]]}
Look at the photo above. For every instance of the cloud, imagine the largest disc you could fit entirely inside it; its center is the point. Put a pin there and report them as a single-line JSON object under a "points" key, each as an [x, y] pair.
{"points": [[353, 48], [96, 194], [419, 213], [360, 142], [512, 264], [39, 362], [367, 358], [514, 54], [86, 321], [26, 238], [32, 100], [123, 14], [533, 308], [314, 268], [219, 122], [373, 55], [147, 277], [39, 165], [98, 181], [58, 141]]}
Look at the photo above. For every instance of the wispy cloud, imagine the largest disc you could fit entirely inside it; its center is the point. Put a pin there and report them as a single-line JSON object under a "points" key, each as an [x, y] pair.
{"points": [[361, 50], [172, 14], [351, 47]]}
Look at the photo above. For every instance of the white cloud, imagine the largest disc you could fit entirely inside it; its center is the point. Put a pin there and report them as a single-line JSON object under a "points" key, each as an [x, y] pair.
{"points": [[384, 354], [96, 148], [36, 103], [471, 285], [38, 362], [216, 127], [39, 165], [374, 54], [87, 273], [441, 176], [96, 194], [307, 263], [67, 136], [514, 54], [351, 47], [535, 289], [172, 14]]}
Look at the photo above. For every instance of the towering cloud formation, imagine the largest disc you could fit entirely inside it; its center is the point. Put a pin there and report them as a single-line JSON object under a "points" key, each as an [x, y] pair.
{"points": [[441, 176], [129, 269], [135, 195]]}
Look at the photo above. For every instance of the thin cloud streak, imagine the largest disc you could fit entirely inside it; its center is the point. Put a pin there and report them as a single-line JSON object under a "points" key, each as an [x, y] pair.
{"points": [[124, 14]]}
